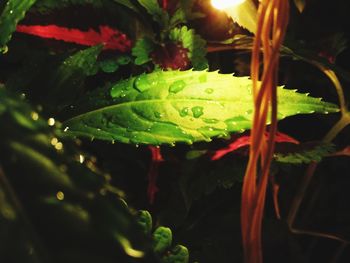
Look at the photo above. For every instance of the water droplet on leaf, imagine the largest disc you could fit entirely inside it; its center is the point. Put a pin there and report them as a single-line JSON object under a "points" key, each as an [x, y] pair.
{"points": [[142, 83], [158, 115], [209, 90], [211, 121], [197, 111], [184, 112], [177, 86]]}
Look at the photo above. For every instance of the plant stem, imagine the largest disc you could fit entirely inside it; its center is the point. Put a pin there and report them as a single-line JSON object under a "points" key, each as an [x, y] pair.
{"points": [[330, 136]]}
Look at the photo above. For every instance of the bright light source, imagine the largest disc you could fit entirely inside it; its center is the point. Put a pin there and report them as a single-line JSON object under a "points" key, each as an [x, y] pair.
{"points": [[223, 4]]}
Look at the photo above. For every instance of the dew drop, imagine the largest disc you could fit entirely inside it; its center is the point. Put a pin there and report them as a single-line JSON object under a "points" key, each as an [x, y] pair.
{"points": [[141, 83], [209, 90], [54, 141], [184, 112], [117, 92], [60, 195], [51, 121], [81, 158], [211, 121], [197, 111], [66, 129], [177, 86], [158, 115], [58, 146]]}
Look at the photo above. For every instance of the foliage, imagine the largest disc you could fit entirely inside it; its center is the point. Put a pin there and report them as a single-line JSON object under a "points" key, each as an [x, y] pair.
{"points": [[13, 12], [177, 106]]}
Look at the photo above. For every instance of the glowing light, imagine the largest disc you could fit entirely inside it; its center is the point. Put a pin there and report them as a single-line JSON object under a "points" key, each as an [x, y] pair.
{"points": [[59, 146], [51, 121], [54, 141], [223, 4], [60, 195], [81, 158], [34, 115]]}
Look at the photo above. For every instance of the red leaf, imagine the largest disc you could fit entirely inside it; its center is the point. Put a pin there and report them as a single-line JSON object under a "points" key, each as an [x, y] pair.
{"points": [[245, 140], [344, 152], [153, 173], [111, 38]]}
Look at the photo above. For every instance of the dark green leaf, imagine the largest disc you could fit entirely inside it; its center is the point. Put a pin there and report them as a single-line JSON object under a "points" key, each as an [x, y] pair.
{"points": [[44, 167], [305, 153], [14, 12], [162, 239], [157, 13], [128, 4], [45, 6], [195, 44], [178, 106], [184, 13], [109, 65], [68, 80], [142, 50], [179, 254], [144, 219]]}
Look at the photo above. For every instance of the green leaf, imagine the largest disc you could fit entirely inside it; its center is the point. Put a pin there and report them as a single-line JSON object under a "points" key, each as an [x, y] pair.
{"points": [[128, 4], [142, 49], [13, 12], [157, 13], [68, 80], [245, 15], [195, 44], [144, 219], [111, 65], [162, 239], [305, 153], [45, 6], [184, 13], [178, 106], [179, 254], [48, 173]]}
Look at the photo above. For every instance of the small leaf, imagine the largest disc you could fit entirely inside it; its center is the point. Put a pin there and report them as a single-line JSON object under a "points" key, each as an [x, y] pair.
{"points": [[109, 65], [112, 65], [179, 254], [245, 15], [177, 106], [194, 154], [184, 13], [68, 80], [46, 6], [13, 12], [305, 153], [144, 219], [162, 239], [128, 4], [194, 43], [157, 13], [142, 50]]}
